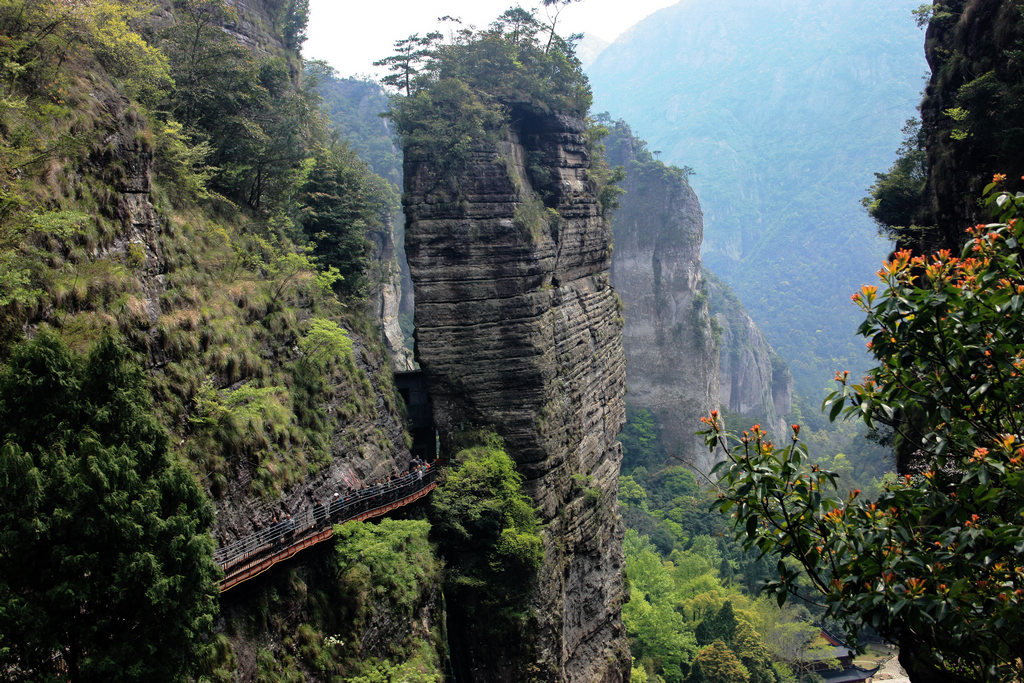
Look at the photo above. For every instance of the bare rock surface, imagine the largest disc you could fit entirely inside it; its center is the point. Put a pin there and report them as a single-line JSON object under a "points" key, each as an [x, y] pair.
{"points": [[754, 379], [518, 328], [671, 349]]}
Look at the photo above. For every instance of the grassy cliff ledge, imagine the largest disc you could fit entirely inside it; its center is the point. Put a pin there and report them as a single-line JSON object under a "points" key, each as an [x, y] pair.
{"points": [[170, 186]]}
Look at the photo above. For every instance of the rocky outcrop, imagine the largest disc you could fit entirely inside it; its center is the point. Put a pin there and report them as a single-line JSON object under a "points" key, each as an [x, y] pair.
{"points": [[671, 350], [254, 22], [386, 296], [518, 328], [970, 113], [754, 380]]}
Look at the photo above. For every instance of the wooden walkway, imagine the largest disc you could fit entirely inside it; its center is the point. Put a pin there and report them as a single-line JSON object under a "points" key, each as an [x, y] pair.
{"points": [[255, 554]]}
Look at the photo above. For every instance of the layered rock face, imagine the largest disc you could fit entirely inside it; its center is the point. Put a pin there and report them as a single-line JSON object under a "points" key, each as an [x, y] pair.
{"points": [[518, 328], [671, 350], [754, 380]]}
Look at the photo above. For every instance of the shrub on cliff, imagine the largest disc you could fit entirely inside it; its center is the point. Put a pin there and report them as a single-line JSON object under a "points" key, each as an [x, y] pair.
{"points": [[933, 562], [390, 562], [488, 531]]}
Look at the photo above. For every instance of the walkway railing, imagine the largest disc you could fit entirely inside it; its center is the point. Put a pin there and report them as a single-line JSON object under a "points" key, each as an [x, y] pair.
{"points": [[255, 554]]}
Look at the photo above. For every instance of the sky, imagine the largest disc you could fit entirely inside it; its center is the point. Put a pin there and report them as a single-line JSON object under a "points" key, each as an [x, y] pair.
{"points": [[350, 35]]}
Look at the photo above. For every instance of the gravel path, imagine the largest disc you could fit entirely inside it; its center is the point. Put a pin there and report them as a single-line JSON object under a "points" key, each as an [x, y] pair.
{"points": [[892, 672]]}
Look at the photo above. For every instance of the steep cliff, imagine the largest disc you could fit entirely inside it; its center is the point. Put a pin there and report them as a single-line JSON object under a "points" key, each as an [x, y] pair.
{"points": [[517, 327], [275, 390], [386, 284], [971, 110], [669, 340], [754, 379]]}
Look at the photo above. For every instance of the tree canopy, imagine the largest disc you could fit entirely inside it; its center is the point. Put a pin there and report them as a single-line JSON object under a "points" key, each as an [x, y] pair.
{"points": [[458, 93], [106, 564]]}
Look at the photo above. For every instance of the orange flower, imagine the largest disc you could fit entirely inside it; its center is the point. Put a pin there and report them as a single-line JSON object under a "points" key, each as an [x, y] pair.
{"points": [[998, 177]]}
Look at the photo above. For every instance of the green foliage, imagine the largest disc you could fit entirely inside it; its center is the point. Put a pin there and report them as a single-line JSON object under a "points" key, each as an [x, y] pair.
{"points": [[182, 163], [50, 119], [489, 535], [718, 663], [638, 674], [106, 26], [458, 94], [293, 20], [719, 626], [353, 107], [325, 343], [341, 202], [360, 614], [106, 557], [423, 667], [16, 283], [933, 560], [658, 633], [41, 33], [678, 604], [243, 421], [411, 54], [445, 121], [533, 219], [897, 196], [923, 14], [388, 563], [631, 494], [257, 123], [487, 525], [641, 444]]}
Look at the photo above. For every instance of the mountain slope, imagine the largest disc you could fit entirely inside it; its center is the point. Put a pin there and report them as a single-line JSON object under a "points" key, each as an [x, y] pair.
{"points": [[784, 110]]}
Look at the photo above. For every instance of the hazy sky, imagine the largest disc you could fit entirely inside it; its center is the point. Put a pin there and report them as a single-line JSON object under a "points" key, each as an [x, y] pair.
{"points": [[351, 34]]}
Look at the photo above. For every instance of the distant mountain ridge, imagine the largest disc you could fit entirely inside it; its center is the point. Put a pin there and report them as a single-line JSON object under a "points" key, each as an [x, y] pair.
{"points": [[784, 109]]}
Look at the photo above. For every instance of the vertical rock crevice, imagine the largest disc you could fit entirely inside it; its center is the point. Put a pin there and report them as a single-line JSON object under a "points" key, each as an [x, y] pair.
{"points": [[518, 328]]}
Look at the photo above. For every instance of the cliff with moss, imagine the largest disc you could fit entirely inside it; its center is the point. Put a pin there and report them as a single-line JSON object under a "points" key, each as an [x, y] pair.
{"points": [[170, 185], [690, 346], [969, 128], [971, 110], [518, 329]]}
